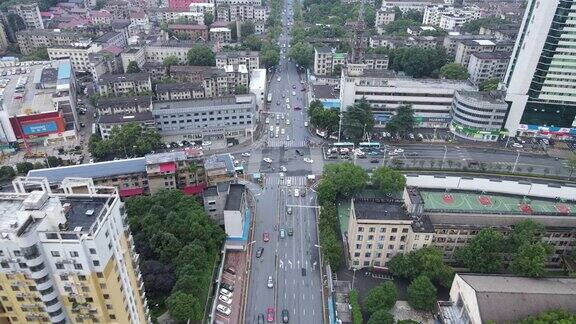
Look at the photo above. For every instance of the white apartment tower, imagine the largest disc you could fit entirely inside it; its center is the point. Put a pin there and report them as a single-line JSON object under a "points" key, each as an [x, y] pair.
{"points": [[541, 76]]}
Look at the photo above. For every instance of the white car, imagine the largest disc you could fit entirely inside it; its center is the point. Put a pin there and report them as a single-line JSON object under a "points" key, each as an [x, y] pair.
{"points": [[282, 131], [279, 78], [270, 282], [308, 160], [517, 145], [223, 309], [293, 93], [288, 183], [305, 124], [271, 128], [225, 299], [245, 154], [283, 168], [288, 138], [206, 143], [287, 100], [225, 292], [399, 150], [282, 116], [267, 120], [267, 160], [287, 121], [296, 192]]}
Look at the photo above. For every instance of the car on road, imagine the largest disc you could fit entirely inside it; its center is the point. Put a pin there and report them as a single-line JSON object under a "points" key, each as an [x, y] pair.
{"points": [[399, 150], [290, 231], [283, 95], [517, 145], [206, 143], [270, 314], [260, 318], [285, 316], [303, 193], [283, 168], [259, 252], [267, 120], [225, 299], [287, 121], [288, 138], [225, 292], [223, 309], [287, 100], [296, 193], [82, 125], [293, 86], [293, 93], [288, 183], [267, 160], [374, 161], [289, 210], [265, 237], [297, 108], [305, 124], [308, 160], [270, 283], [282, 131], [299, 153], [245, 154], [282, 233], [279, 78]]}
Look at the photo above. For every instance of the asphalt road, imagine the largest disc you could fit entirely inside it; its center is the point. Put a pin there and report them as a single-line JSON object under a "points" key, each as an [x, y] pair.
{"points": [[292, 261]]}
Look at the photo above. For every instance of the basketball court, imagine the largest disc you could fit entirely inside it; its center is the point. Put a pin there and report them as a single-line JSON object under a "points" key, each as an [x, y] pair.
{"points": [[475, 201]]}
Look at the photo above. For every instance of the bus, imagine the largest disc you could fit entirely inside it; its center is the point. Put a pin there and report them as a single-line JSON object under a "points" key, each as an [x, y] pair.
{"points": [[369, 145], [341, 145], [269, 98]]}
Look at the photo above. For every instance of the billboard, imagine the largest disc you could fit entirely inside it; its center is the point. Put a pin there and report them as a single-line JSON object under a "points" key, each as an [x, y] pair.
{"points": [[40, 128]]}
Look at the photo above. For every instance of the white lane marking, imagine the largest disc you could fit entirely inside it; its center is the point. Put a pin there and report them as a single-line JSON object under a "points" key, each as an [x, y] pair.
{"points": [[304, 311], [303, 297]]}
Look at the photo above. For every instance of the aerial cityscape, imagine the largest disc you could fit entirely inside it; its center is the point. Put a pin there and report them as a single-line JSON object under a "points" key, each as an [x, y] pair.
{"points": [[288, 161]]}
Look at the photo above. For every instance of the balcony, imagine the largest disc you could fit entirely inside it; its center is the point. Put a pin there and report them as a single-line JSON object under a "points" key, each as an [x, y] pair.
{"points": [[136, 258]]}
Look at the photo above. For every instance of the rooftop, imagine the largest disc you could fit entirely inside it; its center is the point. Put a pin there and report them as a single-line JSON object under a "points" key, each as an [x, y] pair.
{"points": [[236, 54], [165, 87], [234, 199], [325, 92], [110, 78], [494, 97], [493, 55], [323, 50], [97, 170], [187, 27], [159, 158], [218, 162], [126, 118], [201, 103], [476, 42], [124, 101], [380, 209]]}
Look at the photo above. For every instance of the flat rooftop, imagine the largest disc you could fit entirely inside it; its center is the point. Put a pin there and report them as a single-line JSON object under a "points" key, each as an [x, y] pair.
{"points": [[493, 203], [234, 199], [200, 103], [28, 98], [380, 209], [83, 212]]}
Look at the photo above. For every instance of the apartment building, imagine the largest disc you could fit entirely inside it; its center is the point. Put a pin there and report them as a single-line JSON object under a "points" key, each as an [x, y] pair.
{"points": [[237, 75], [451, 41], [117, 111], [203, 8], [232, 117], [485, 66], [31, 40], [326, 60], [123, 84], [222, 35], [101, 17], [539, 78], [478, 115], [68, 256], [179, 91], [448, 17], [250, 59], [406, 5], [507, 32], [78, 53], [103, 62], [384, 16], [219, 168], [156, 52], [431, 99], [466, 48], [175, 170], [170, 15], [107, 123], [213, 80], [29, 13], [193, 32]]}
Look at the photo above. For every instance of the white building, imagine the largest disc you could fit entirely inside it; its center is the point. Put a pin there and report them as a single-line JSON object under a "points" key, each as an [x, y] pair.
{"points": [[465, 48], [258, 87], [384, 16], [431, 99], [478, 116], [449, 17], [222, 35], [204, 8], [406, 5], [30, 14], [484, 66], [78, 53], [540, 78]]}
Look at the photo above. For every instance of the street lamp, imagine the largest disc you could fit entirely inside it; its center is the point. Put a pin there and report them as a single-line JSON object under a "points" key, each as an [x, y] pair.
{"points": [[354, 276], [444, 158], [516, 162]]}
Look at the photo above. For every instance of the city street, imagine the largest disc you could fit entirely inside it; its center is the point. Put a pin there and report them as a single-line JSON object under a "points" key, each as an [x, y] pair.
{"points": [[286, 208]]}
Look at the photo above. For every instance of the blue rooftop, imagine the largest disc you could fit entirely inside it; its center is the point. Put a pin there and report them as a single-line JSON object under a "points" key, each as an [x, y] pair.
{"points": [[92, 170], [64, 70]]}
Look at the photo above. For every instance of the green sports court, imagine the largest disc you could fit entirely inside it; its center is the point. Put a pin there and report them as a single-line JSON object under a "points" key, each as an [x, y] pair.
{"points": [[493, 203]]}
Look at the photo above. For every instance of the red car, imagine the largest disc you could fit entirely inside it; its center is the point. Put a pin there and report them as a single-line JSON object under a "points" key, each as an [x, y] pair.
{"points": [[266, 237], [270, 314]]}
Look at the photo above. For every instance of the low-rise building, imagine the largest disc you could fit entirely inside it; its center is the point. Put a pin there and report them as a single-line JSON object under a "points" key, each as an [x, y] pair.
{"points": [[384, 16], [176, 170], [123, 105], [250, 59], [103, 62], [326, 60], [158, 51], [133, 54], [101, 17], [107, 122], [258, 87], [478, 298], [33, 39], [203, 7], [407, 5], [219, 168], [237, 75], [112, 38], [478, 115], [78, 53], [484, 66], [222, 35], [179, 91], [214, 81], [29, 13], [221, 118], [466, 48], [192, 32], [123, 84], [449, 17]]}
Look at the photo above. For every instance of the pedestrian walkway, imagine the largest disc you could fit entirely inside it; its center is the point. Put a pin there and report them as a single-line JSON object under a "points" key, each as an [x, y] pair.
{"points": [[281, 141], [275, 180]]}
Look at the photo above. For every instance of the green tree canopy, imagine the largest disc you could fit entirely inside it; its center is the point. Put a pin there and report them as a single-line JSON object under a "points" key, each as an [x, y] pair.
{"points": [[381, 297], [355, 306], [422, 294], [403, 122], [133, 67], [347, 178], [170, 61], [253, 42], [208, 18], [525, 232], [474, 26], [418, 62], [530, 259], [303, 54], [389, 181], [183, 307], [240, 89], [7, 173], [247, 28], [484, 252], [358, 121], [454, 71], [557, 316], [127, 140], [381, 317], [270, 54], [489, 85], [426, 261], [201, 55], [24, 167], [399, 27], [571, 164], [326, 119]]}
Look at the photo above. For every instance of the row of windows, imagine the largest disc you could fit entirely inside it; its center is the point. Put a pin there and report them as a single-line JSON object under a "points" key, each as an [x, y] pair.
{"points": [[380, 238], [381, 230]]}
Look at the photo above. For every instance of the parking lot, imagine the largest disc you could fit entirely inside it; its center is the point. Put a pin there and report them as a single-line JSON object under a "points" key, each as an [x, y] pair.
{"points": [[234, 275]]}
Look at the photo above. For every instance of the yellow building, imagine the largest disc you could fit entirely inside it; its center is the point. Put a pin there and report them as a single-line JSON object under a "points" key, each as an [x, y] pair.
{"points": [[67, 256]]}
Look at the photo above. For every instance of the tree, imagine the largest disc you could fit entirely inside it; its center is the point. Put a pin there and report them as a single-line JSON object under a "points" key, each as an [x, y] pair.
{"points": [[24, 167], [331, 247], [381, 317], [556, 316], [422, 294], [303, 54], [183, 307], [270, 54], [7, 173], [247, 28], [40, 54], [201, 55], [530, 259], [413, 15], [454, 71], [240, 89], [253, 42], [571, 164], [208, 18], [381, 297], [347, 178], [326, 119], [418, 62], [355, 307], [358, 120], [127, 140], [403, 122], [399, 27], [489, 85], [484, 252], [427, 261], [525, 232], [169, 61], [388, 181], [133, 67], [159, 278], [326, 192]]}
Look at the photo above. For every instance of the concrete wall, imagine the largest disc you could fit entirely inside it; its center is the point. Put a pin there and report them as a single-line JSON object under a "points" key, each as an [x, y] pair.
{"points": [[233, 222], [461, 289], [491, 185]]}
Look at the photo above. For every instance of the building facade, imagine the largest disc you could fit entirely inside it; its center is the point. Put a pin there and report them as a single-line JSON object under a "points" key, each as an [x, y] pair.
{"points": [[250, 59], [486, 66], [31, 40], [69, 256], [123, 84], [29, 13], [78, 53], [540, 88], [477, 115]]}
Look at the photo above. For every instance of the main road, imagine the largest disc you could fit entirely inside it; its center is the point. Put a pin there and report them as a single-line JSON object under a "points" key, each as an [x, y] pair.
{"points": [[292, 261]]}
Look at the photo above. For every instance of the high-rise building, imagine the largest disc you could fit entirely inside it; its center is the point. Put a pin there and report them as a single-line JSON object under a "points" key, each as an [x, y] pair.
{"points": [[67, 255], [540, 80]]}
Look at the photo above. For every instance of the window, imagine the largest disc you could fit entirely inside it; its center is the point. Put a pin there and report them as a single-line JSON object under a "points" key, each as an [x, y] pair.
{"points": [[63, 277], [392, 238], [404, 230], [360, 229], [81, 277], [358, 246], [390, 247], [59, 265], [112, 316], [99, 275], [357, 254], [367, 254], [359, 237], [394, 230], [370, 237], [108, 306], [96, 263], [55, 253], [382, 229], [77, 266], [106, 296], [74, 254], [92, 251], [372, 230]]}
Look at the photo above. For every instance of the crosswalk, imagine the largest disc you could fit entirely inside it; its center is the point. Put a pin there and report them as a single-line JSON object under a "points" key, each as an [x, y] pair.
{"points": [[279, 142], [295, 181]]}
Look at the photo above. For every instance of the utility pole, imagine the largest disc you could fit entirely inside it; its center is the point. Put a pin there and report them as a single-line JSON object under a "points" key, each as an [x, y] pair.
{"points": [[516, 162]]}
